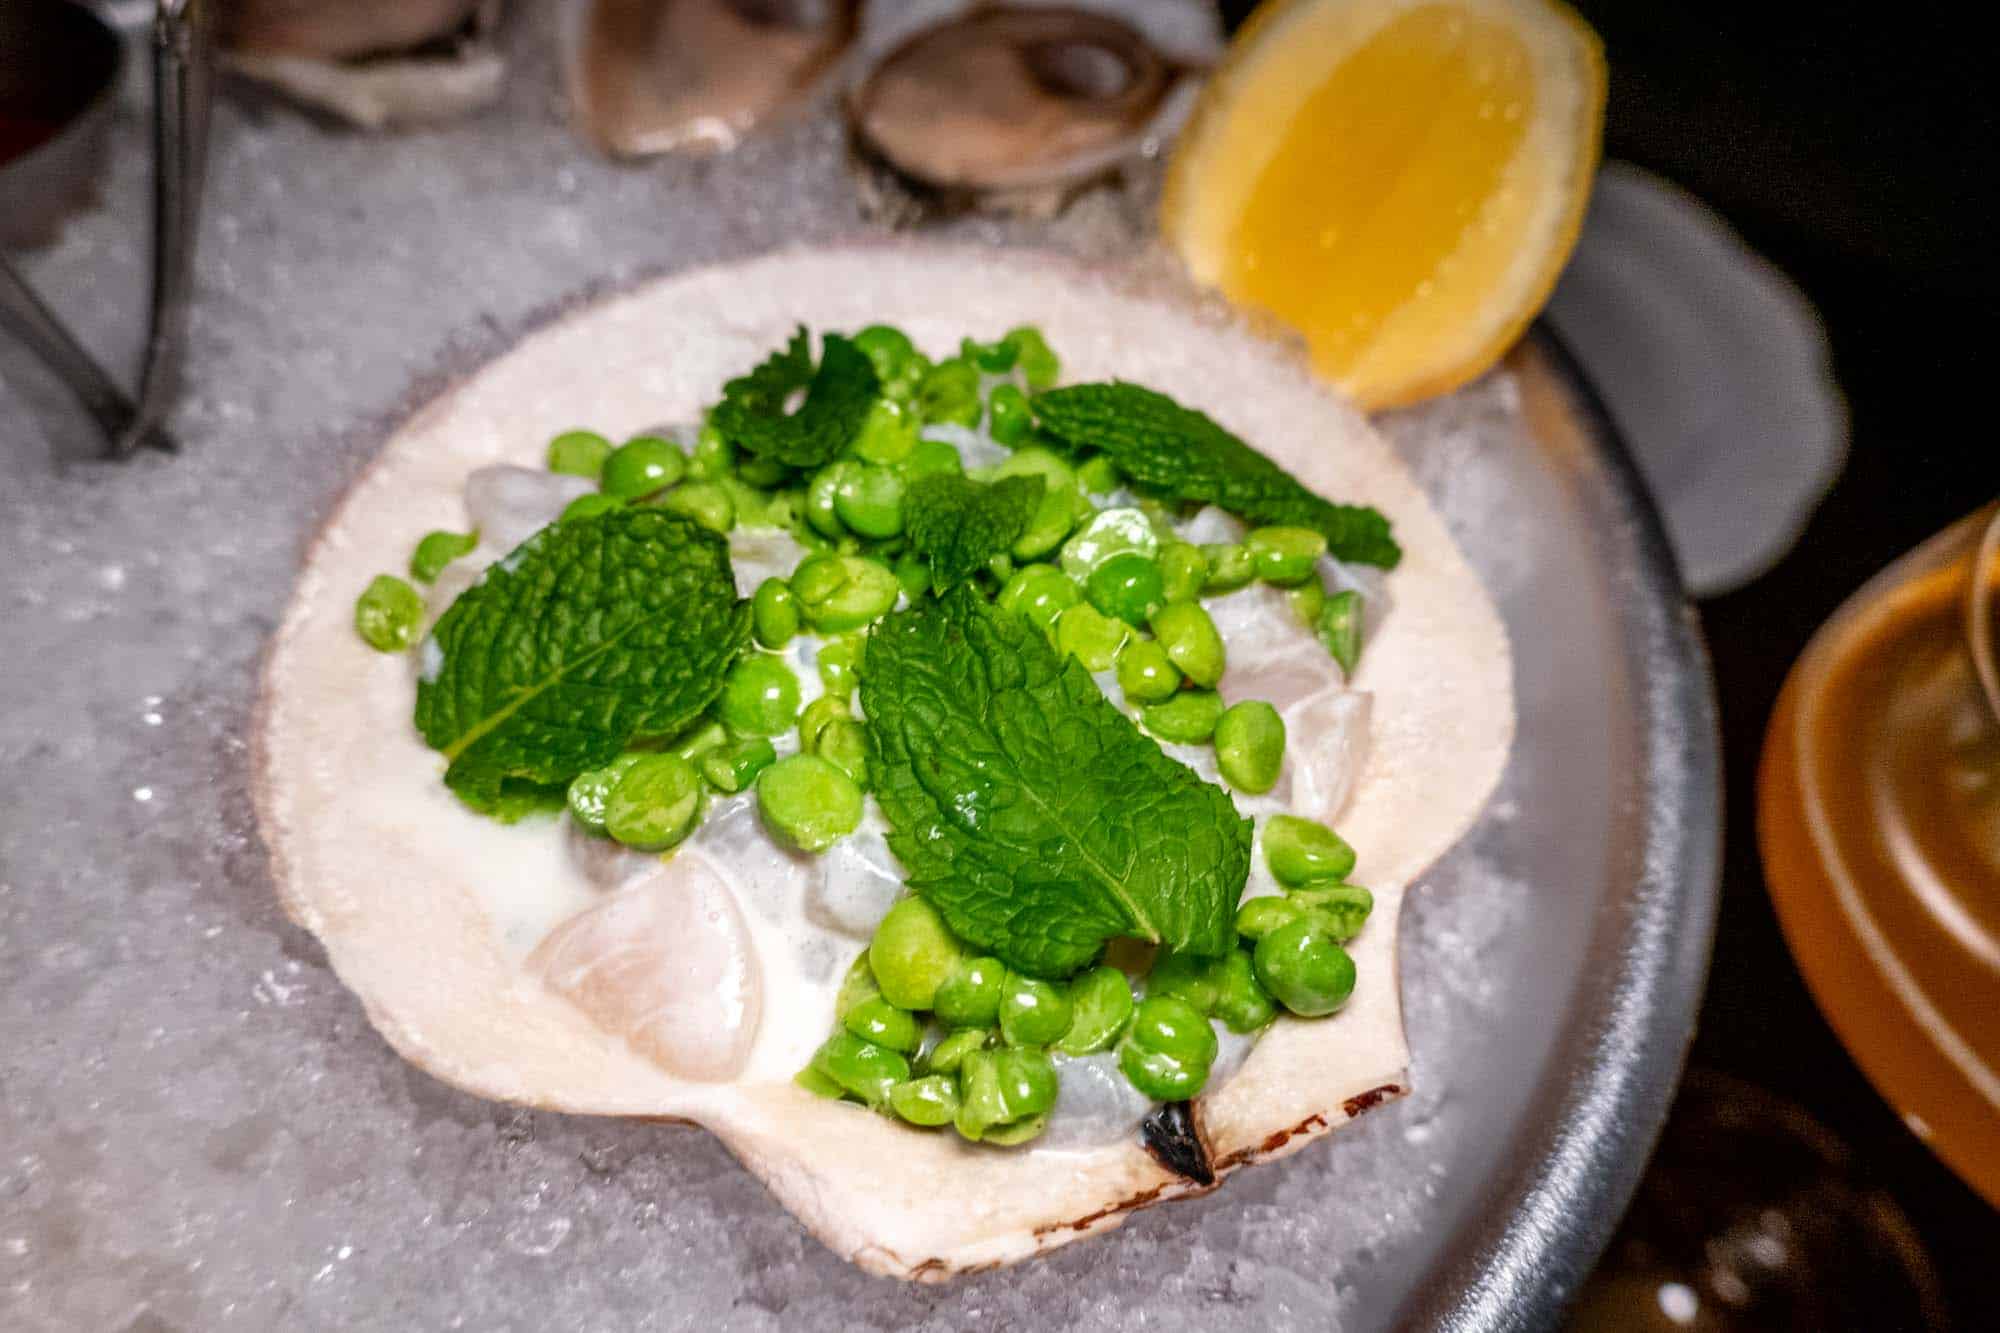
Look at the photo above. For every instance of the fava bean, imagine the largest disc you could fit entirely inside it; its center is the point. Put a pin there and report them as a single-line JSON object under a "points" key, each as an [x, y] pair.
{"points": [[1183, 571], [589, 791], [1250, 746], [388, 614], [760, 696], [1128, 586], [1033, 1012], [1038, 365], [913, 953], [1100, 1007], [1188, 718], [589, 506], [808, 803], [642, 465], [884, 1024], [930, 1101], [1168, 1050], [950, 1053], [1285, 555], [1340, 628], [970, 996], [1304, 968], [861, 1068], [1340, 909], [1041, 593], [655, 804], [579, 453], [436, 550], [774, 613], [950, 394], [1091, 638], [1229, 567], [734, 767], [1241, 1002], [1145, 673], [1304, 851], [1191, 641], [843, 592], [1008, 418], [869, 500]]}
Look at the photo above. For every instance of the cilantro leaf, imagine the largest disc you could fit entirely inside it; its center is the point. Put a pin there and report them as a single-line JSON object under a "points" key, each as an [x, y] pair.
{"points": [[752, 413], [1184, 455], [591, 632], [1028, 809], [957, 525]]}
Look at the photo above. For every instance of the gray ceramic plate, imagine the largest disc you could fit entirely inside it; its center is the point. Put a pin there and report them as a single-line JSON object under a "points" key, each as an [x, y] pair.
{"points": [[198, 1129]]}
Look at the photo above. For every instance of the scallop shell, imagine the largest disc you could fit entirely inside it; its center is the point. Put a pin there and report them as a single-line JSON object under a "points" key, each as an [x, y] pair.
{"points": [[382, 882]]}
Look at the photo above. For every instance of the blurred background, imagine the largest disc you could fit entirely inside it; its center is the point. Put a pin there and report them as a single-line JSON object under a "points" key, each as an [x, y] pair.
{"points": [[1850, 148]]}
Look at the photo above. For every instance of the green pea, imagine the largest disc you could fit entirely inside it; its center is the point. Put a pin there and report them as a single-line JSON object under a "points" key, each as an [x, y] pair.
{"points": [[950, 1053], [697, 738], [1039, 366], [1098, 475], [913, 953], [1033, 1012], [1339, 909], [1185, 977], [733, 767], [1091, 638], [753, 508], [903, 385], [818, 1084], [843, 592], [839, 665], [589, 506], [1241, 1002], [712, 458], [589, 791], [1229, 567], [642, 465], [949, 394], [1340, 628], [884, 1024], [1304, 968], [970, 996], [1308, 603], [1002, 1088], [1250, 746], [579, 453], [760, 472], [887, 348], [1056, 513], [1285, 555], [436, 550], [844, 744], [822, 507], [888, 433], [931, 457], [1041, 593], [1304, 851], [1100, 1006], [1109, 532], [1127, 586], [706, 502], [1167, 1052], [1183, 571], [1018, 1131], [857, 986], [914, 573], [930, 1101], [388, 614], [869, 500], [1258, 917], [861, 1068], [1191, 641], [1008, 414], [996, 358], [774, 613], [1145, 673], [817, 716], [808, 803], [655, 804], [760, 697], [1188, 718]]}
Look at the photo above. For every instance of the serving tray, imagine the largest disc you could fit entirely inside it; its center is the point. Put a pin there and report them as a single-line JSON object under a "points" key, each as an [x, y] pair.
{"points": [[198, 1129]]}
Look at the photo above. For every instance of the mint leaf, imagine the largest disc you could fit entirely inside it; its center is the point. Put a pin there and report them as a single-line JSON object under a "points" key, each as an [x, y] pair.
{"points": [[1183, 455], [1026, 808], [957, 525], [589, 633], [752, 413]]}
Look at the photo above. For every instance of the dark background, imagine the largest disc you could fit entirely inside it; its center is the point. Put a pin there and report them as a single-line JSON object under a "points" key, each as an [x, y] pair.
{"points": [[1853, 147]]}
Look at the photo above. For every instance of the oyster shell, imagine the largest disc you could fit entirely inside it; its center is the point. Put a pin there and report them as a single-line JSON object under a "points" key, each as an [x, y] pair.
{"points": [[656, 76], [1019, 106], [373, 855], [373, 63]]}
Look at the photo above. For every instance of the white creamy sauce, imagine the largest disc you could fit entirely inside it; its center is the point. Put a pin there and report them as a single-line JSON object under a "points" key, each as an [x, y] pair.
{"points": [[722, 959]]}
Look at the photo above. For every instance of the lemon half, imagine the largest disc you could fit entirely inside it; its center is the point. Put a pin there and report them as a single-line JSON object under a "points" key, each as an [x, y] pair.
{"points": [[1401, 181]]}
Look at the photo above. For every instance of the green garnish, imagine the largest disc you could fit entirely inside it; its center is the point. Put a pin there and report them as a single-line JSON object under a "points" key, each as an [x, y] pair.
{"points": [[1028, 809], [438, 549], [591, 632], [1181, 454], [752, 416], [957, 526], [388, 614]]}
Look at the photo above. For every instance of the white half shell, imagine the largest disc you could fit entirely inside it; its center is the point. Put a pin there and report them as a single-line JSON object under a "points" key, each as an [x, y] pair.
{"points": [[372, 855]]}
